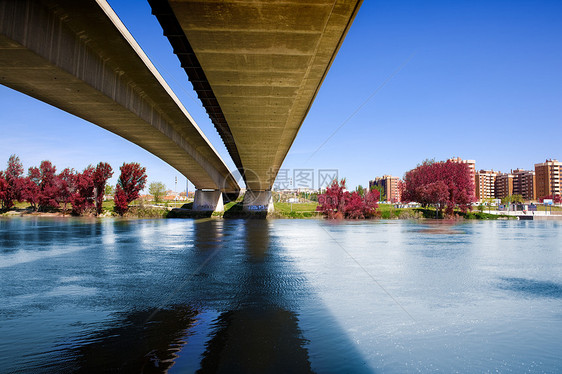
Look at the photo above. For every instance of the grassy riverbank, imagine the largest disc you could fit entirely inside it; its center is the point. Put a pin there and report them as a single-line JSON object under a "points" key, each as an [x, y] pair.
{"points": [[137, 209], [308, 210], [140, 209]]}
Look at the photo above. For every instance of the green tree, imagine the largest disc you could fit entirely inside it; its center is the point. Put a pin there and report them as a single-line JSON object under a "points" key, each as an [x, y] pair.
{"points": [[515, 199], [360, 190], [157, 189], [109, 190]]}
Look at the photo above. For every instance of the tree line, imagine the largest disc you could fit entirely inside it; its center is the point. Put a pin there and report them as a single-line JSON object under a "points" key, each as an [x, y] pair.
{"points": [[82, 192]]}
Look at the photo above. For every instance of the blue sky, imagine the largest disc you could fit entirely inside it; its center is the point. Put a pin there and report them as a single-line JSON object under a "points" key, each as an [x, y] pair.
{"points": [[433, 79]]}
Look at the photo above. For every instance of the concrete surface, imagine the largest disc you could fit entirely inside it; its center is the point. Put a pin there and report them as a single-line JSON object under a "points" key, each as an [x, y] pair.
{"points": [[79, 57]]}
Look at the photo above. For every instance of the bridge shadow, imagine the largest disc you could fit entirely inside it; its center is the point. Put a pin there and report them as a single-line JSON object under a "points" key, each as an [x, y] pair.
{"points": [[236, 269], [131, 344], [237, 211], [186, 211], [233, 211]]}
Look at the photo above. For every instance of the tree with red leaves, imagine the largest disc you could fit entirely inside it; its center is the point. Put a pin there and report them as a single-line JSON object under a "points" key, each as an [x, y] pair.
{"points": [[48, 186], [83, 196], [131, 181], [66, 183], [337, 203], [12, 177], [332, 202], [556, 199], [101, 174], [30, 187], [3, 188], [354, 205], [443, 184]]}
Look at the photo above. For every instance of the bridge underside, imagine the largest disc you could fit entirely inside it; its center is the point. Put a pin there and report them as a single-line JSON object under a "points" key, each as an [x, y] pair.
{"points": [[257, 67], [78, 56]]}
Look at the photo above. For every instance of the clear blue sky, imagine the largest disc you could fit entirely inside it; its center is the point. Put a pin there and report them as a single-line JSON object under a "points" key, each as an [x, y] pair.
{"points": [[480, 80]]}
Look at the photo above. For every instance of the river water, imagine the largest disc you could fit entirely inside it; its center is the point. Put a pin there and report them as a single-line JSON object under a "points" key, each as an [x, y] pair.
{"points": [[255, 296]]}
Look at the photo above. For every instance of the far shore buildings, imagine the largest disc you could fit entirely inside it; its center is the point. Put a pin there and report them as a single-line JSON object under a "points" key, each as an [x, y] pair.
{"points": [[524, 184], [544, 181], [504, 185], [485, 187], [391, 187], [492, 184], [547, 175]]}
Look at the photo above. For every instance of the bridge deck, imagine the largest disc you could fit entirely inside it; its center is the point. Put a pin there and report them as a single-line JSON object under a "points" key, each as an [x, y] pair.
{"points": [[79, 57], [257, 67]]}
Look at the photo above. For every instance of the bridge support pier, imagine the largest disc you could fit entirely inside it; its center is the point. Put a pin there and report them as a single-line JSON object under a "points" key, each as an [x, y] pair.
{"points": [[258, 201], [208, 201]]}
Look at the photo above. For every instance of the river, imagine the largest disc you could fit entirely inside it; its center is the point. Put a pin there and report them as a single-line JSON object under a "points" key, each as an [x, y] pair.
{"points": [[253, 296]]}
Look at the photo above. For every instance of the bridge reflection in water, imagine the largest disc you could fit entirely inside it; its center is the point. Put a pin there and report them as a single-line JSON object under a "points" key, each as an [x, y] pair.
{"points": [[235, 308]]}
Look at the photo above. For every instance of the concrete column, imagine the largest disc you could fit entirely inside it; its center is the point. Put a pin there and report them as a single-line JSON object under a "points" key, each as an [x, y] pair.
{"points": [[258, 201], [208, 201]]}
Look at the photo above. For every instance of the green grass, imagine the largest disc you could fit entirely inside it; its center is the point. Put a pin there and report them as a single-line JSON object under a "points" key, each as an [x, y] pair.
{"points": [[388, 211], [295, 210], [482, 215]]}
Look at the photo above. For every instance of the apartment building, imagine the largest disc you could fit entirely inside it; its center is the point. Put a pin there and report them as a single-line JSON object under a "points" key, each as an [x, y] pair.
{"points": [[504, 185], [390, 187], [486, 184], [524, 184], [547, 178]]}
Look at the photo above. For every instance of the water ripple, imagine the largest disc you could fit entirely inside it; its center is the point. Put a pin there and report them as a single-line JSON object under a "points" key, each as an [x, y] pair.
{"points": [[532, 287]]}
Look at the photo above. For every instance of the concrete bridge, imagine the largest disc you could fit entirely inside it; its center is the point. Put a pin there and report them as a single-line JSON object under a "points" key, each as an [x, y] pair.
{"points": [[256, 66], [79, 57]]}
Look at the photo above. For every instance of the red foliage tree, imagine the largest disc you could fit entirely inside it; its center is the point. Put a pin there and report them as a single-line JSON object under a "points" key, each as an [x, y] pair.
{"points": [[83, 196], [3, 189], [100, 176], [48, 186], [332, 202], [131, 181], [556, 199], [371, 200], [441, 184], [354, 205], [66, 183], [30, 187], [336, 203], [12, 177]]}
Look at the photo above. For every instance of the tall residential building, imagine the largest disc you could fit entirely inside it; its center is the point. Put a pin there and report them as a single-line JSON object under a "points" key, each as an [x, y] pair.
{"points": [[524, 184], [547, 178], [504, 185], [471, 165], [486, 184], [390, 187]]}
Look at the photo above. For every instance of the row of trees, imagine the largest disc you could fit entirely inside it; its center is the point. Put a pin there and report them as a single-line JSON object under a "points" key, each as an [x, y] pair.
{"points": [[445, 185], [44, 189], [337, 203]]}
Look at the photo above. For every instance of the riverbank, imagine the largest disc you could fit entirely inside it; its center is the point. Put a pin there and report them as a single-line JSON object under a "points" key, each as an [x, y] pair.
{"points": [[305, 210], [134, 212], [308, 211]]}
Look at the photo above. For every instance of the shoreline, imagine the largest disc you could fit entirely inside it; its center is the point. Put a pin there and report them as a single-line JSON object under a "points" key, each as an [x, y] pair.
{"points": [[181, 213]]}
